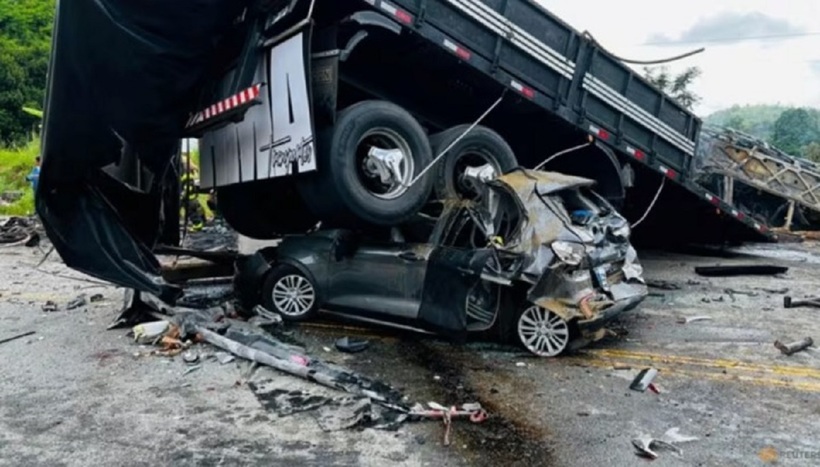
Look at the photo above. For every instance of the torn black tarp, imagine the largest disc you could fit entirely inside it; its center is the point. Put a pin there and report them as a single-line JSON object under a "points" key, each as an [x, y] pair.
{"points": [[123, 78]]}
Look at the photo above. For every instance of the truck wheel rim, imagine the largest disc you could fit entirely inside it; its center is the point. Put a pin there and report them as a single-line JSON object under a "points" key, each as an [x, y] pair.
{"points": [[385, 138], [465, 160], [543, 332], [293, 295]]}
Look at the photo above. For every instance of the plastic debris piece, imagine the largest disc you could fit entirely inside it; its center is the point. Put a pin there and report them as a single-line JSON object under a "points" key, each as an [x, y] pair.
{"points": [[224, 358], [190, 357], [794, 347], [18, 336], [350, 345], [740, 270], [654, 388], [520, 364], [97, 298], [78, 302], [191, 369], [789, 302], [693, 319], [663, 285], [645, 445], [643, 380], [270, 317], [50, 306], [149, 333]]}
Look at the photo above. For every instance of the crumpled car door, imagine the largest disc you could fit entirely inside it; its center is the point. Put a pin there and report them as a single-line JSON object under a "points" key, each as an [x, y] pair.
{"points": [[451, 274]]}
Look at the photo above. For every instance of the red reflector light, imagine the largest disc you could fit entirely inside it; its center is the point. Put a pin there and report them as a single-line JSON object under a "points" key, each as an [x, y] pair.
{"points": [[668, 172], [529, 93], [636, 153], [404, 16]]}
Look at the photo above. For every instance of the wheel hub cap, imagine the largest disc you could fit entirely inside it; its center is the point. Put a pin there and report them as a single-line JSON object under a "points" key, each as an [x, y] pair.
{"points": [[293, 295], [543, 332]]}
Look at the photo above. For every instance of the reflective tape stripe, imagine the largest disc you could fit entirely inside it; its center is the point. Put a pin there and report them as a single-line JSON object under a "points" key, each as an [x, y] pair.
{"points": [[517, 36], [638, 114]]}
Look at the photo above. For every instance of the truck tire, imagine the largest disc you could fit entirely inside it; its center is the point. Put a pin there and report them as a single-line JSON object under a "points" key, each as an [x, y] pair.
{"points": [[265, 209], [478, 147], [346, 188]]}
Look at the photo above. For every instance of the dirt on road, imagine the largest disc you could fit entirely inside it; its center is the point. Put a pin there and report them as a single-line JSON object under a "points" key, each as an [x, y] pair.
{"points": [[75, 393]]}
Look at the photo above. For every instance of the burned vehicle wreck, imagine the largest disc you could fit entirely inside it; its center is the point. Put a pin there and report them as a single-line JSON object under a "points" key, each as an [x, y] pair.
{"points": [[537, 258]]}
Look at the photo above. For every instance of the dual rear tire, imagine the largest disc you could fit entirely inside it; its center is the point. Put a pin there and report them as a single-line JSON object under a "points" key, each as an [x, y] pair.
{"points": [[352, 186]]}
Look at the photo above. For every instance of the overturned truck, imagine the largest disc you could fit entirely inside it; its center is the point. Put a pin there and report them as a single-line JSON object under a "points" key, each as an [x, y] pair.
{"points": [[357, 114]]}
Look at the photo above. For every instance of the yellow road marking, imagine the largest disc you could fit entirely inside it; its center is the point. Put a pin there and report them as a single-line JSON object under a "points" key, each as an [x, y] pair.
{"points": [[720, 363], [800, 378]]}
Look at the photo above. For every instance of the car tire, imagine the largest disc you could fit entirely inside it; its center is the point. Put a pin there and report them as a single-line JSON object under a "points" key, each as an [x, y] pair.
{"points": [[264, 209], [478, 147], [290, 293], [345, 190]]}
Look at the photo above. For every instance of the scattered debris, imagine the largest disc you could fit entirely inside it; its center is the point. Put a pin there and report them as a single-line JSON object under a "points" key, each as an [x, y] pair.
{"points": [[97, 298], [350, 345], [654, 388], [224, 358], [646, 443], [285, 402], [18, 336], [191, 369], [270, 316], [50, 306], [740, 270], [794, 347], [693, 319], [774, 291], [789, 302], [78, 302], [20, 231], [732, 292], [474, 411], [371, 403], [520, 364], [190, 357], [644, 379], [663, 285], [590, 411], [150, 333]]}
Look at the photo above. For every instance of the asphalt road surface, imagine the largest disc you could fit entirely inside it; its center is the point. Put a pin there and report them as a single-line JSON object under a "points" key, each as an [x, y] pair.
{"points": [[75, 393]]}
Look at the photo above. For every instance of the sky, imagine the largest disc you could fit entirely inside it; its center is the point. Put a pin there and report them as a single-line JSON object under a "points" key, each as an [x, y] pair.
{"points": [[782, 65]]}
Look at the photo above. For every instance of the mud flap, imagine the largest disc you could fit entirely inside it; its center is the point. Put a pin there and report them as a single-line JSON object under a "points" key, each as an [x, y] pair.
{"points": [[451, 273]]}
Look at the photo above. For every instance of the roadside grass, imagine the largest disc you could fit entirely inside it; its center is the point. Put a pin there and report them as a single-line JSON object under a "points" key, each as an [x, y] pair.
{"points": [[15, 164]]}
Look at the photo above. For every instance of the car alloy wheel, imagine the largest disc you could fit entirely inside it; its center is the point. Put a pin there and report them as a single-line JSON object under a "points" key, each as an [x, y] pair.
{"points": [[293, 296], [543, 332]]}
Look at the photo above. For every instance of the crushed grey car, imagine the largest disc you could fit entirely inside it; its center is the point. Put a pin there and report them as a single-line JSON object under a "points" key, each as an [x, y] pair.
{"points": [[538, 257]]}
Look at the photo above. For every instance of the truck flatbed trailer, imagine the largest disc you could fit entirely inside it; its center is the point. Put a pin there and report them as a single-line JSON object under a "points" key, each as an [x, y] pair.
{"points": [[445, 61], [546, 61]]}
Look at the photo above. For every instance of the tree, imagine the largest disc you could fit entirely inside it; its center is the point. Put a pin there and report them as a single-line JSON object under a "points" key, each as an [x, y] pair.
{"points": [[812, 152], [677, 86], [795, 130], [25, 41]]}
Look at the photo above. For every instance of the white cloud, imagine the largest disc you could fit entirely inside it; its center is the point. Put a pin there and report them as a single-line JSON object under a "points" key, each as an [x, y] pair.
{"points": [[784, 70]]}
